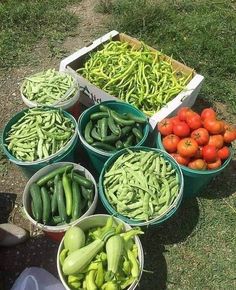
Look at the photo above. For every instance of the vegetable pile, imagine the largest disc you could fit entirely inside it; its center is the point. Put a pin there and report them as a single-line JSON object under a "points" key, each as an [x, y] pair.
{"points": [[39, 133], [49, 87], [109, 131], [140, 77], [61, 196], [141, 185], [199, 141], [103, 258]]}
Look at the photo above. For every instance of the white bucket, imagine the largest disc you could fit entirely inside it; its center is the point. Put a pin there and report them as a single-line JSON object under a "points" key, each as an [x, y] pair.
{"points": [[57, 232], [99, 220], [64, 105]]}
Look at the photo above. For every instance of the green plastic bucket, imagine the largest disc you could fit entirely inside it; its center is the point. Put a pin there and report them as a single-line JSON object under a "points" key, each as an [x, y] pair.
{"points": [[161, 218], [29, 168], [195, 180], [99, 157]]}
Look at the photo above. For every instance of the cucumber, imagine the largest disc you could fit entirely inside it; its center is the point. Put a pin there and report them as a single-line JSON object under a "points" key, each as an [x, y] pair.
{"points": [[113, 127], [103, 127], [37, 201], [82, 180], [103, 146], [87, 193], [119, 119], [61, 201], [43, 180], [98, 115], [76, 206], [54, 196], [46, 205], [137, 133], [87, 132]]}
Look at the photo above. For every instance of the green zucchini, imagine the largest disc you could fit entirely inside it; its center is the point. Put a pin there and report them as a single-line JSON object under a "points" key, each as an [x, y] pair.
{"points": [[46, 205], [37, 201], [61, 201], [76, 197]]}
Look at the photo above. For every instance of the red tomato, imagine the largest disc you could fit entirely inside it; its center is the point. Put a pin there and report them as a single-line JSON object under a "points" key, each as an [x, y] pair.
{"points": [[198, 154], [184, 112], [181, 160], [209, 153], [187, 147], [216, 140], [214, 165], [194, 121], [214, 126], [198, 164], [229, 134], [208, 113], [170, 143], [223, 153], [174, 120], [201, 136], [165, 127], [181, 129]]}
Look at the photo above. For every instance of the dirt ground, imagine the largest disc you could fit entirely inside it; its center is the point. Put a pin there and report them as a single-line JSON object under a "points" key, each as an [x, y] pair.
{"points": [[39, 250]]}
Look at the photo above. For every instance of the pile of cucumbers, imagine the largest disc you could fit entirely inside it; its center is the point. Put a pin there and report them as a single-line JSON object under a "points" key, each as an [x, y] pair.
{"points": [[109, 130], [61, 196]]}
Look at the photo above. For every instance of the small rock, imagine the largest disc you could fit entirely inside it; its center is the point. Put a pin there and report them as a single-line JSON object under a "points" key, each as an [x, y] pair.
{"points": [[11, 235]]}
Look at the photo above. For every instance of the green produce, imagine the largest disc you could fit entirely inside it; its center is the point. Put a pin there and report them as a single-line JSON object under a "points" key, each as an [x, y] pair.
{"points": [[74, 239], [141, 185], [114, 250], [49, 87], [46, 205], [37, 204], [40, 133], [61, 196], [79, 259], [109, 259], [141, 77], [110, 131]]}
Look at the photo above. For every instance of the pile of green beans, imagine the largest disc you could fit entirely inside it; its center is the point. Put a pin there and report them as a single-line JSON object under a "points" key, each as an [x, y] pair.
{"points": [[140, 77], [109, 130], [39, 133], [141, 185], [49, 87]]}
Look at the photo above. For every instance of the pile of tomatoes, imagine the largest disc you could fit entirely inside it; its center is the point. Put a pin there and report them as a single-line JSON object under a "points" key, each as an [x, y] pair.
{"points": [[199, 141]]}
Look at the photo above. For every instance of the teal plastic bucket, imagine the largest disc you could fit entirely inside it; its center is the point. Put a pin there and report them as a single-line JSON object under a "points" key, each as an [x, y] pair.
{"points": [[156, 221], [29, 168], [99, 157], [195, 180]]}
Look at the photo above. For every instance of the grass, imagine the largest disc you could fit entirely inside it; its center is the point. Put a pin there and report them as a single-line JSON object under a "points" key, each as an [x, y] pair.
{"points": [[199, 33], [197, 248], [23, 25]]}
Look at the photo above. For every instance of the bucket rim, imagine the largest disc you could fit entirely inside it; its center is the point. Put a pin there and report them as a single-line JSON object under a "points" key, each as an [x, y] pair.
{"points": [[162, 217], [195, 171], [105, 153], [36, 162]]}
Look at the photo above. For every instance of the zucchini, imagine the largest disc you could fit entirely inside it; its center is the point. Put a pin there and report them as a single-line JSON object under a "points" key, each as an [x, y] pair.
{"points": [[76, 197], [37, 201], [74, 239], [54, 196], [61, 201], [114, 250], [43, 180], [46, 205], [87, 183]]}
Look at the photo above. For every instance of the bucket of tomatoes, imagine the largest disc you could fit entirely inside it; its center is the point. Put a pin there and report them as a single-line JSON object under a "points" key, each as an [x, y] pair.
{"points": [[199, 142]]}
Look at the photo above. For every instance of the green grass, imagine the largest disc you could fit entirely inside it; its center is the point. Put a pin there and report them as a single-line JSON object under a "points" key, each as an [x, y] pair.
{"points": [[200, 33], [28, 22], [197, 248]]}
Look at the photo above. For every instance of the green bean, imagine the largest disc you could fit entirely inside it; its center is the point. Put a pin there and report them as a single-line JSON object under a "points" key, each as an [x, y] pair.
{"points": [[145, 193], [34, 138]]}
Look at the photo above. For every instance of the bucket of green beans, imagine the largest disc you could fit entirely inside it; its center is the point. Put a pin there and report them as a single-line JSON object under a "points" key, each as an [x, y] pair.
{"points": [[141, 186], [109, 127], [50, 88], [36, 137]]}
